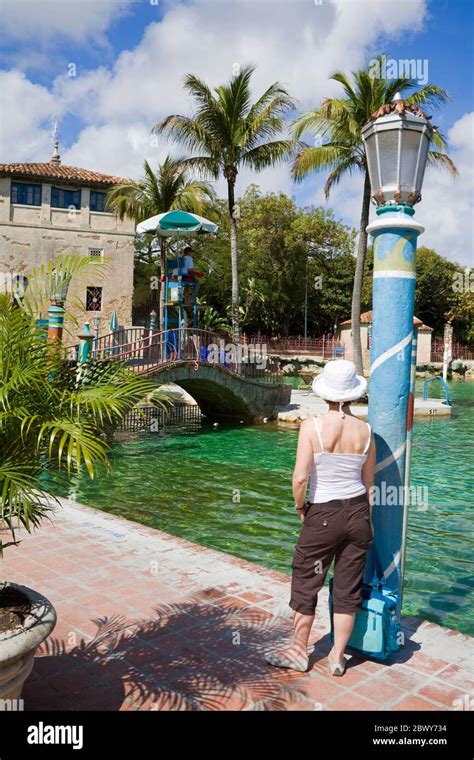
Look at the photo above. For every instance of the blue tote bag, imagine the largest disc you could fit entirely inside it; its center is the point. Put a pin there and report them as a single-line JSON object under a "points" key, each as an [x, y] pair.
{"points": [[376, 626]]}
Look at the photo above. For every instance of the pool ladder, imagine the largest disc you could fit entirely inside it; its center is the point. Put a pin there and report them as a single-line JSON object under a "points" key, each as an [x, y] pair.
{"points": [[447, 398]]}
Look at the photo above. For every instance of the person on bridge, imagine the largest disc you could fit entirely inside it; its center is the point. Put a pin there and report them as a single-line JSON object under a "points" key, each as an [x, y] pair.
{"points": [[337, 452]]}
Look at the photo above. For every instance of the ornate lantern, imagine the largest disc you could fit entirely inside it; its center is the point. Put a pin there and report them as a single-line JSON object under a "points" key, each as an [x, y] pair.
{"points": [[397, 139]]}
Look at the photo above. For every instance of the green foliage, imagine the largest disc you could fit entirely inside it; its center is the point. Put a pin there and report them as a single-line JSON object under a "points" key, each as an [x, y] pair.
{"points": [[434, 295], [169, 188], [461, 314], [276, 238], [227, 131], [212, 320], [51, 415]]}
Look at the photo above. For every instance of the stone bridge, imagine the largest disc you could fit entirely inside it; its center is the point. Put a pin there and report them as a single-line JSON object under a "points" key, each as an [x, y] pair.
{"points": [[222, 393], [227, 381]]}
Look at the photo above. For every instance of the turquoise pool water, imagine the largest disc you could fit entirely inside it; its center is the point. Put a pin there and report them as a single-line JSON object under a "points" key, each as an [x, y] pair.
{"points": [[229, 488]]}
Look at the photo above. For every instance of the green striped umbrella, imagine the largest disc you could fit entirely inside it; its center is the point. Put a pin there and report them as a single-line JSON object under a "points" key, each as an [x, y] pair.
{"points": [[177, 224]]}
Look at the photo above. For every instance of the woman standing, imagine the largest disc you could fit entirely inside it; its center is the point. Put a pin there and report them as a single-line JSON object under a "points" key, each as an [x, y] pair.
{"points": [[337, 453]]}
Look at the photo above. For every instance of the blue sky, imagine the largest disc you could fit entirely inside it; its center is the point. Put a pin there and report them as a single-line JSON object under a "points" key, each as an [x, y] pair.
{"points": [[128, 59]]}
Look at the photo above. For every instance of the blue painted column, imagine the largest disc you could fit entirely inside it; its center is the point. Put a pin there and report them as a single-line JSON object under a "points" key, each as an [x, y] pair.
{"points": [[56, 313], [410, 418], [394, 234], [43, 326]]}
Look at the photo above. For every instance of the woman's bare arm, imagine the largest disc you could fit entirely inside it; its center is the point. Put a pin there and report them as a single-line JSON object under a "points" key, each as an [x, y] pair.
{"points": [[368, 474], [304, 460]]}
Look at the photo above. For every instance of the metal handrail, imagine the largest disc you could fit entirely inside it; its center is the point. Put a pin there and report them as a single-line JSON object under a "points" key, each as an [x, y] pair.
{"points": [[183, 344], [447, 398]]}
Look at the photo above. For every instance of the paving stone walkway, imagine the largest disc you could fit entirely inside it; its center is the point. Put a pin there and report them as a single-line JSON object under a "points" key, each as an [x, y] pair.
{"points": [[147, 621]]}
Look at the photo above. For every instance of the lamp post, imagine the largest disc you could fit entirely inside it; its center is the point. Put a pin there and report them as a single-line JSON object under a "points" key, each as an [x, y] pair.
{"points": [[152, 322], [96, 320], [19, 286], [151, 329], [397, 139]]}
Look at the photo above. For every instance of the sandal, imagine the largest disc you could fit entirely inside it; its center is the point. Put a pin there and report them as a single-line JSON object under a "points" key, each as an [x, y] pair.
{"points": [[282, 661], [338, 668]]}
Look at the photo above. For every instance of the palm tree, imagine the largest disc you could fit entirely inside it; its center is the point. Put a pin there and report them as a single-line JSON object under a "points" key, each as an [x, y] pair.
{"points": [[228, 131], [170, 188], [50, 414], [339, 121]]}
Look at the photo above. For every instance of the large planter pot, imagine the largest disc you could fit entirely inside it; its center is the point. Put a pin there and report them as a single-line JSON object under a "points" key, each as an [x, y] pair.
{"points": [[18, 645]]}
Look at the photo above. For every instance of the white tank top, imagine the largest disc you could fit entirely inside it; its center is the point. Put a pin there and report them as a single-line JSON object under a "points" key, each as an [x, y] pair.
{"points": [[336, 476]]}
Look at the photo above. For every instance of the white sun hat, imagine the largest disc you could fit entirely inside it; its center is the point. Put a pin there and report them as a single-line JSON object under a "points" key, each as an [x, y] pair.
{"points": [[339, 382]]}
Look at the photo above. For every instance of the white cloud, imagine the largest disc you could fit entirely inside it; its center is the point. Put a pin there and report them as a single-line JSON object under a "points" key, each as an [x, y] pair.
{"points": [[209, 38], [45, 20], [26, 118], [100, 147], [298, 43], [447, 210]]}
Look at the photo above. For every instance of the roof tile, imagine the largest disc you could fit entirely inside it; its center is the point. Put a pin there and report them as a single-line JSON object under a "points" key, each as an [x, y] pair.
{"points": [[366, 318], [66, 174]]}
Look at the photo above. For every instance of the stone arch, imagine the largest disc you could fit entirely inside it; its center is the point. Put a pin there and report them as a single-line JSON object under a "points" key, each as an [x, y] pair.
{"points": [[223, 394]]}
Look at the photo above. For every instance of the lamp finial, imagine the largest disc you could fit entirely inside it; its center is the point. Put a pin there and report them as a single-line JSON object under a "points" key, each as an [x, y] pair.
{"points": [[55, 158]]}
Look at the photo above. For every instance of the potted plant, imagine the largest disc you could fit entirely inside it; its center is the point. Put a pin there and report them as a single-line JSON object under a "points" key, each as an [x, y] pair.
{"points": [[50, 415]]}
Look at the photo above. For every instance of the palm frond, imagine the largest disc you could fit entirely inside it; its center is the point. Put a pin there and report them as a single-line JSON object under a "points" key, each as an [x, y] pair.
{"points": [[52, 416], [268, 154], [326, 156], [441, 161]]}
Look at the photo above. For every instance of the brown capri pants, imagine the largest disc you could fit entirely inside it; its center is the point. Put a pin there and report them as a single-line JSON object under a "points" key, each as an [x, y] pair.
{"points": [[339, 529]]}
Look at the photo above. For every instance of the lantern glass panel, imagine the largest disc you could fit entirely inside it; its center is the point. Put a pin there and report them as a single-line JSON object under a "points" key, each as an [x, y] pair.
{"points": [[371, 153], [425, 144], [410, 145], [388, 156]]}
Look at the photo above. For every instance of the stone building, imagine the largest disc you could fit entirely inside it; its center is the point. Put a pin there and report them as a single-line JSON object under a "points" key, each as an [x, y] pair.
{"points": [[423, 348], [47, 209]]}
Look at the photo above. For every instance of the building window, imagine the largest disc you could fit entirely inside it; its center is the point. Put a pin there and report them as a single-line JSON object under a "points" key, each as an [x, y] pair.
{"points": [[96, 253], [98, 201], [65, 198], [93, 298], [29, 195]]}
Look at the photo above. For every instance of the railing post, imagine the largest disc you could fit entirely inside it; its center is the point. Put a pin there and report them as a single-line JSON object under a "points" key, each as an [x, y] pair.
{"points": [[85, 344]]}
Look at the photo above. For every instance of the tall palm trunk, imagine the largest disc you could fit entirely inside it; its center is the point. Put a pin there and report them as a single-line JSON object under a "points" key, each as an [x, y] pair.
{"points": [[358, 277], [162, 284], [234, 262]]}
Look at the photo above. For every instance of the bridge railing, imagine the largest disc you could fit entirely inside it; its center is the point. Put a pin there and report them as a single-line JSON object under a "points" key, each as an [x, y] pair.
{"points": [[143, 349]]}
